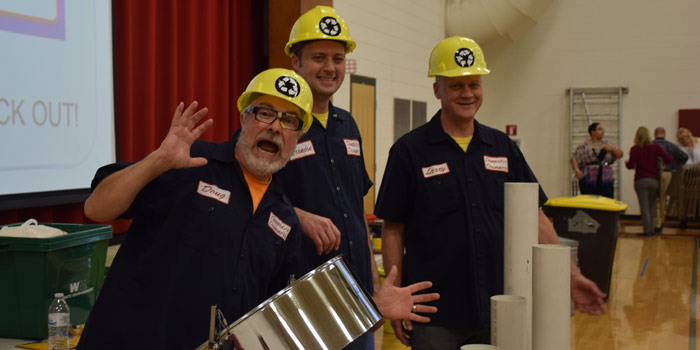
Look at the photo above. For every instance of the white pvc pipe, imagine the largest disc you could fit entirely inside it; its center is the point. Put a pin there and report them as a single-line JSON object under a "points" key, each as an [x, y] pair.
{"points": [[478, 347], [507, 320], [551, 297], [521, 203]]}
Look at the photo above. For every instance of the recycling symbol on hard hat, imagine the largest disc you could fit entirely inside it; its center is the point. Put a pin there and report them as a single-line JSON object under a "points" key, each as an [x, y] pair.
{"points": [[286, 85], [329, 26], [464, 57]]}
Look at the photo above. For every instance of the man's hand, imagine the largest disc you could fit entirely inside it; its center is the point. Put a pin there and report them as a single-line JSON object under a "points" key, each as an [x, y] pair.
{"points": [[174, 151], [586, 295], [397, 304], [320, 230], [116, 192], [402, 331], [578, 173]]}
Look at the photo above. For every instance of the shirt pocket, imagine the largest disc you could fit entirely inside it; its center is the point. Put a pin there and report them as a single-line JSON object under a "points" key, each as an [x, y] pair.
{"points": [[207, 224], [444, 193], [267, 249], [494, 192]]}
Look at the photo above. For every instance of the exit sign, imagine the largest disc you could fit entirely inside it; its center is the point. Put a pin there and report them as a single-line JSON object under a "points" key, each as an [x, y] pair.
{"points": [[512, 130]]}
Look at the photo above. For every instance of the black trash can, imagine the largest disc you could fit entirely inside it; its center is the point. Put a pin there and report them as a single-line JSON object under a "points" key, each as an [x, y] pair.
{"points": [[593, 222]]}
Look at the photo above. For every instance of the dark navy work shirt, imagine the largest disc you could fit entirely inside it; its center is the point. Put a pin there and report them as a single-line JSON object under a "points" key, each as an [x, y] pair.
{"points": [[451, 204], [677, 155], [194, 242], [326, 176]]}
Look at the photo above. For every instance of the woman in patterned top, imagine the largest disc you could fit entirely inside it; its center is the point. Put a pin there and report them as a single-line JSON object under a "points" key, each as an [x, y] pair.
{"points": [[592, 163]]}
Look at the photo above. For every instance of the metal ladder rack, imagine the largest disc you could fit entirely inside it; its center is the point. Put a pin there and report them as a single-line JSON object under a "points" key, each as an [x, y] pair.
{"points": [[590, 105]]}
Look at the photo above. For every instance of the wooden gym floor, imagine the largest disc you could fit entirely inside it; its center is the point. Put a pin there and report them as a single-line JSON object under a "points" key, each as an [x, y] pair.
{"points": [[653, 296]]}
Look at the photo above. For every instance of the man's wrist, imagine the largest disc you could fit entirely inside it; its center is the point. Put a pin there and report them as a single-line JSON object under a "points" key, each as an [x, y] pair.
{"points": [[575, 272]]}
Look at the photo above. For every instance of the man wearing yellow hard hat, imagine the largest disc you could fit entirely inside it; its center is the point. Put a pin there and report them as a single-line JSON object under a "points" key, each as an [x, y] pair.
{"points": [[442, 201], [326, 179], [201, 232]]}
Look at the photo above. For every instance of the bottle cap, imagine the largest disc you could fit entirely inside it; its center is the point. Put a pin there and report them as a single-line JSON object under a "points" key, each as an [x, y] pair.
{"points": [[58, 295]]}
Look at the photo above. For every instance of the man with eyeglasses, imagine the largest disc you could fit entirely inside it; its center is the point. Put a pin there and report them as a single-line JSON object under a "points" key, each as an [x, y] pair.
{"points": [[210, 226], [326, 179]]}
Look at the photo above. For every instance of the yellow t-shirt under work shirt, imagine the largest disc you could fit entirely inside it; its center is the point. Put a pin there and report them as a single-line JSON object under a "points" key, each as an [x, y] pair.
{"points": [[463, 142], [323, 118]]}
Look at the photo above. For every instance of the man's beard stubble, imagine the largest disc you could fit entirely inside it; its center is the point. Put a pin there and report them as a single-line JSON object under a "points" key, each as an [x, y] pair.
{"points": [[257, 166]]}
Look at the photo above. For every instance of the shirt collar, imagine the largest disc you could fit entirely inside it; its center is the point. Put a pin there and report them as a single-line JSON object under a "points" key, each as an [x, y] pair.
{"points": [[225, 151], [332, 114], [436, 134]]}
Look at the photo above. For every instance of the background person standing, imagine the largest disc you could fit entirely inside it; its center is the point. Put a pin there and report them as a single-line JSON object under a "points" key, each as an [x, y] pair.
{"points": [[592, 163], [643, 158], [689, 144], [678, 158]]}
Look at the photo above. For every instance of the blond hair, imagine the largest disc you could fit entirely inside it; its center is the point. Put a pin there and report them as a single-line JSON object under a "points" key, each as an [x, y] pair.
{"points": [[641, 137], [686, 132]]}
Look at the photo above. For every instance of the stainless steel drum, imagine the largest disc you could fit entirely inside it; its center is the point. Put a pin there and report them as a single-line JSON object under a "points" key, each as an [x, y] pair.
{"points": [[325, 309]]}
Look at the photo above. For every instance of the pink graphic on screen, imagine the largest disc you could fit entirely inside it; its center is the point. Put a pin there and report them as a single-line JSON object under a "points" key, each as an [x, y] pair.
{"points": [[31, 22]]}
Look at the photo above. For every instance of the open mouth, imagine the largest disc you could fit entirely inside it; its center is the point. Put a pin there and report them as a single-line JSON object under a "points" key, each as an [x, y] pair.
{"points": [[268, 147]]}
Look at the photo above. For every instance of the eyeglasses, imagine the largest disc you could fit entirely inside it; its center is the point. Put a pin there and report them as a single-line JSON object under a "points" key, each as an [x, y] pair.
{"points": [[266, 115]]}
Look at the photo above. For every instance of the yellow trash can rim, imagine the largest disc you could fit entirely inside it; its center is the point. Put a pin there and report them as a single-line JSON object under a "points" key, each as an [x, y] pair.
{"points": [[587, 201]]}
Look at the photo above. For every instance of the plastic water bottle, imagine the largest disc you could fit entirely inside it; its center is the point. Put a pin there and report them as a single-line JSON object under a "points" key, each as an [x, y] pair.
{"points": [[59, 324]]}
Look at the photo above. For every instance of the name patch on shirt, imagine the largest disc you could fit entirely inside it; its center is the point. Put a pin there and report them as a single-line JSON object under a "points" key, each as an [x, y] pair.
{"points": [[435, 170], [278, 226], [496, 163], [303, 149], [352, 146], [214, 192]]}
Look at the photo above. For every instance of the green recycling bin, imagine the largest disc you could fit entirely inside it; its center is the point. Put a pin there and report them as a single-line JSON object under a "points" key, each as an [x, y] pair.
{"points": [[593, 221], [33, 269]]}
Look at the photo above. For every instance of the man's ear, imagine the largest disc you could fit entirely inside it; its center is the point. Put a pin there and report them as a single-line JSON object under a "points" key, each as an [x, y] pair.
{"points": [[436, 89], [296, 62]]}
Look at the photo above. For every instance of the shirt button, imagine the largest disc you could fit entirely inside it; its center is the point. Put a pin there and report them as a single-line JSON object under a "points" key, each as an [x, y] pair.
{"points": [[242, 256], [350, 243], [211, 209], [337, 188], [473, 205], [332, 161], [345, 215]]}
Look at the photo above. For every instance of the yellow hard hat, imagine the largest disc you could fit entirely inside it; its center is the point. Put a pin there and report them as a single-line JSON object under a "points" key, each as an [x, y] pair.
{"points": [[457, 56], [319, 23], [281, 83]]}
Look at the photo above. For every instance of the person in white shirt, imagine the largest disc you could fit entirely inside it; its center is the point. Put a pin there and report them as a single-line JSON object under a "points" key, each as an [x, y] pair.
{"points": [[689, 144]]}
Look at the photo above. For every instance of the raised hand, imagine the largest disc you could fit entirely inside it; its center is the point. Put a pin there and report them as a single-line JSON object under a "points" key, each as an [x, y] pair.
{"points": [[174, 151]]}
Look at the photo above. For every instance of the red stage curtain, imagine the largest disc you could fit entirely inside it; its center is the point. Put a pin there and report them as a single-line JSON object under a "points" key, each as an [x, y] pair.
{"points": [[170, 51]]}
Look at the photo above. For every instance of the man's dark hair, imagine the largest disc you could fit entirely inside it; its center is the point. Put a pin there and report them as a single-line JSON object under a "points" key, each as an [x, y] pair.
{"points": [[592, 127], [297, 48]]}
